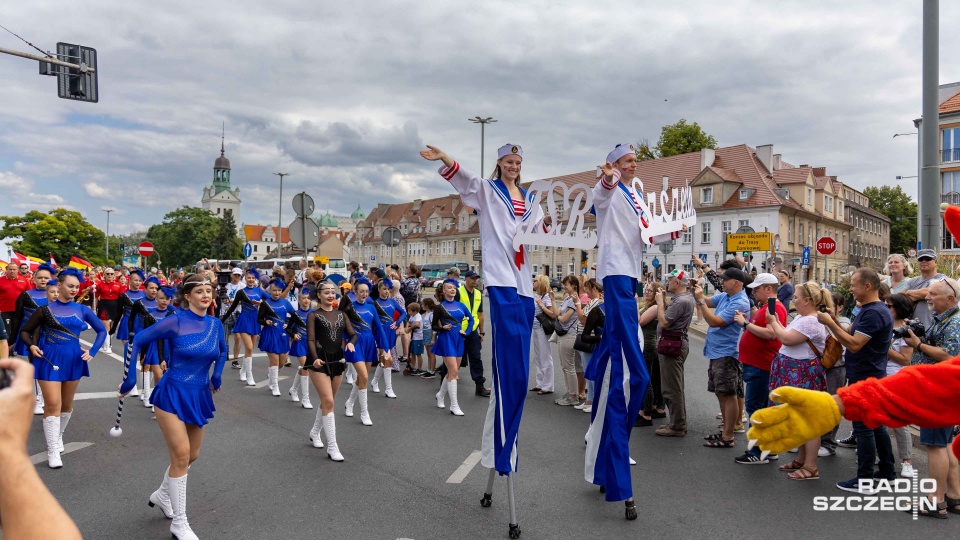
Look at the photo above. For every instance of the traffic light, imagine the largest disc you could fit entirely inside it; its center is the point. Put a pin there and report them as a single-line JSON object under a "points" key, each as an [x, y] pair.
{"points": [[122, 248], [794, 268], [763, 265], [583, 259]]}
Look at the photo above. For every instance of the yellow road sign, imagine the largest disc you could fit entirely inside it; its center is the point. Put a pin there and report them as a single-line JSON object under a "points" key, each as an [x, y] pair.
{"points": [[749, 242]]}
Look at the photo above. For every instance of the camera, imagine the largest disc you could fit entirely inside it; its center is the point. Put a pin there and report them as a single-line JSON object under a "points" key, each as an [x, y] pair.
{"points": [[912, 324]]}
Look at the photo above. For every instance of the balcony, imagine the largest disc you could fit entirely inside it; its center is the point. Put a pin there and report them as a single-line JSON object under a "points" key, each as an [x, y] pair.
{"points": [[949, 154], [950, 198]]}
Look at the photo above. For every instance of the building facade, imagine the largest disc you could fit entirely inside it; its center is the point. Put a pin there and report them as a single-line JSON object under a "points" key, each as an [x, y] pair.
{"points": [[949, 163], [220, 197]]}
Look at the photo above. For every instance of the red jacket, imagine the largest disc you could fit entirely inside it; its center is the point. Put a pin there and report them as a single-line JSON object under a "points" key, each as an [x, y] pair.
{"points": [[10, 290], [110, 291], [927, 395]]}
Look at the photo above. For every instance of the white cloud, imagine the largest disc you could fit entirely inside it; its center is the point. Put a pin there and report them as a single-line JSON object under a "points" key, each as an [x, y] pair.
{"points": [[97, 191]]}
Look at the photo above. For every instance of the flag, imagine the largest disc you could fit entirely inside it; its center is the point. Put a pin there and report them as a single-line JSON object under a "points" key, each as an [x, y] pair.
{"points": [[34, 263], [78, 262], [53, 262]]}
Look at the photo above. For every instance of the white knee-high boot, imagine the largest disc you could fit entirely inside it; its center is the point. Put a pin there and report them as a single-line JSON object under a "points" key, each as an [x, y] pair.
{"points": [[248, 367], [351, 375], [388, 384], [294, 390], [318, 424], [375, 381], [51, 432], [180, 528], [147, 388], [161, 497], [364, 412], [305, 392], [274, 380], [442, 394], [38, 408], [64, 420], [351, 399], [243, 369], [454, 405], [136, 391], [330, 427]]}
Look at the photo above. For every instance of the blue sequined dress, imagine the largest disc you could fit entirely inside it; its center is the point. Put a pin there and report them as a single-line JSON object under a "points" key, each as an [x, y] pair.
{"points": [[299, 348], [60, 325], [370, 334], [249, 298], [273, 337], [126, 301], [195, 343], [27, 303], [450, 342]]}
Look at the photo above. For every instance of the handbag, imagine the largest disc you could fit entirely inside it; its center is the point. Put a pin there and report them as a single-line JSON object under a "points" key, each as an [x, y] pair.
{"points": [[546, 323], [831, 351], [670, 342], [579, 345]]}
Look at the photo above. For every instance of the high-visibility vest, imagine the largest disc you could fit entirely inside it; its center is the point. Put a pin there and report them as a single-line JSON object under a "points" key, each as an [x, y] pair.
{"points": [[474, 307]]}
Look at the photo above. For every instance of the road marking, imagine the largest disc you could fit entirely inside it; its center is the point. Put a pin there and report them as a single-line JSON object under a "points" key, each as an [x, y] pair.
{"points": [[105, 351], [67, 448], [464, 469], [95, 395], [266, 381]]}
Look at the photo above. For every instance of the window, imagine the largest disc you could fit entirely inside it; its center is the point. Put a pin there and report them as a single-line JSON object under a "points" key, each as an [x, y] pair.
{"points": [[255, 248], [706, 196], [744, 223], [536, 269], [744, 194], [951, 144], [687, 236], [726, 226], [705, 232], [559, 270], [790, 230], [801, 232], [828, 203], [809, 196], [570, 268]]}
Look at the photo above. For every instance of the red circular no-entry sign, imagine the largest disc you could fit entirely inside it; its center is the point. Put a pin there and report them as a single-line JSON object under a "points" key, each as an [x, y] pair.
{"points": [[146, 249], [826, 245]]}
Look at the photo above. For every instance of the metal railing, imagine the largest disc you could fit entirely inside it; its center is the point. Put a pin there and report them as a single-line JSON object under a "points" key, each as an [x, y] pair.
{"points": [[950, 198], [949, 154]]}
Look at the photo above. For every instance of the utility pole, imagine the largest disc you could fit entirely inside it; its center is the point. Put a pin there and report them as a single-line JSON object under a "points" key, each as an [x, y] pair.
{"points": [[280, 217], [108, 210], [483, 123], [930, 188]]}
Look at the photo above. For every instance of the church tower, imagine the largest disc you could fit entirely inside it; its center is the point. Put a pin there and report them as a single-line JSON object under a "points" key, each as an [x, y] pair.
{"points": [[218, 198]]}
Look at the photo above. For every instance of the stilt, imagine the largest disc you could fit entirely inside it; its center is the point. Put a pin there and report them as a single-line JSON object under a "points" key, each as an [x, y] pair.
{"points": [[487, 499], [514, 526]]}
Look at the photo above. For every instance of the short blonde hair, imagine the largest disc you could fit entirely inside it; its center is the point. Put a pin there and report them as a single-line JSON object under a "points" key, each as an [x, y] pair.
{"points": [[541, 284]]}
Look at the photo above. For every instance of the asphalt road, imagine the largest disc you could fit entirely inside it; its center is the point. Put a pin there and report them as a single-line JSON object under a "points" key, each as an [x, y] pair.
{"points": [[258, 476]]}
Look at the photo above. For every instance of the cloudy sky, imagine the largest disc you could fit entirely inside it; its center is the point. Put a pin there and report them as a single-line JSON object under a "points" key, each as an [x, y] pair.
{"points": [[342, 95]]}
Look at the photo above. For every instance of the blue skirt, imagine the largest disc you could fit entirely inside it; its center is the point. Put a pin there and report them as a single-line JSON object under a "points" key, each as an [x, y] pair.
{"points": [[449, 343], [364, 351], [122, 333], [298, 348], [192, 403], [247, 323], [273, 340], [65, 356], [152, 355]]}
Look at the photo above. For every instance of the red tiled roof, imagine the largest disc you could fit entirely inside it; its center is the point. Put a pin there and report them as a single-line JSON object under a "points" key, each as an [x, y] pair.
{"points": [[951, 105], [795, 175], [255, 233]]}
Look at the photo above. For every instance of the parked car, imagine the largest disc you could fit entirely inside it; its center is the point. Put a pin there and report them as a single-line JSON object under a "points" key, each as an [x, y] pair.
{"points": [[556, 285]]}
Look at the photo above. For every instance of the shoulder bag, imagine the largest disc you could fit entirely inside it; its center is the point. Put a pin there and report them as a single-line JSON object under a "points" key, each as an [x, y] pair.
{"points": [[670, 342], [546, 323], [831, 352]]}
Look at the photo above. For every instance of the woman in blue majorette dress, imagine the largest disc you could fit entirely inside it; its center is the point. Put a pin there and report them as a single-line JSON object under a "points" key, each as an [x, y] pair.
{"points": [[392, 317], [448, 320], [274, 314], [300, 389], [183, 399], [52, 335], [247, 326], [371, 345]]}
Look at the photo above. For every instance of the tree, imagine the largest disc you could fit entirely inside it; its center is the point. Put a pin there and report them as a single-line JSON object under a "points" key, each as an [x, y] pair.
{"points": [[185, 236], [644, 152], [225, 243], [60, 232], [683, 138], [895, 204]]}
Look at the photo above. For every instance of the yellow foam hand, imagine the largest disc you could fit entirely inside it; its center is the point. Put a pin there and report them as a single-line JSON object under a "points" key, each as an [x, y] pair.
{"points": [[801, 416]]}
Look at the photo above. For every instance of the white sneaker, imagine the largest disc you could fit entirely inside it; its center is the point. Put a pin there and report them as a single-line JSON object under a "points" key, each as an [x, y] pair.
{"points": [[633, 461], [823, 452], [588, 409], [795, 450], [907, 471], [38, 408], [580, 406]]}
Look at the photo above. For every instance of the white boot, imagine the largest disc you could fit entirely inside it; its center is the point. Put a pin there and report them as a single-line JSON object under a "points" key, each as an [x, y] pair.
{"points": [[64, 420], [351, 399], [293, 391], [161, 497], [351, 374], [274, 380], [330, 427], [375, 381], [317, 428], [147, 388], [243, 369], [248, 367], [305, 392], [454, 406], [364, 412], [388, 384], [441, 395], [51, 432], [136, 391], [38, 408], [180, 529]]}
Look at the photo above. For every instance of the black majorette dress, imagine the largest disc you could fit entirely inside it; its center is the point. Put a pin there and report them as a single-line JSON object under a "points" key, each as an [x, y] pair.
{"points": [[326, 331]]}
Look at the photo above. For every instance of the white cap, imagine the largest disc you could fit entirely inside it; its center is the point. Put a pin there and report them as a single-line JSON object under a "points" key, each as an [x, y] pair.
{"points": [[619, 151], [510, 150], [765, 278], [237, 272]]}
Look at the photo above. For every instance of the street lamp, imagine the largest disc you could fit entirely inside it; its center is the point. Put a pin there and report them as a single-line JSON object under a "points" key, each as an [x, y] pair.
{"points": [[108, 210], [483, 123], [903, 177], [895, 135], [280, 218]]}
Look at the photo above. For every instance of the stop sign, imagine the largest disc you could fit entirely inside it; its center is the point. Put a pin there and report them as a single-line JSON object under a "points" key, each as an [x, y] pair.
{"points": [[826, 245], [146, 249]]}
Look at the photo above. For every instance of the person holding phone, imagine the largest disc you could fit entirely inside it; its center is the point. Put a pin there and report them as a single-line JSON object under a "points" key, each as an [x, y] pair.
{"points": [[758, 346]]}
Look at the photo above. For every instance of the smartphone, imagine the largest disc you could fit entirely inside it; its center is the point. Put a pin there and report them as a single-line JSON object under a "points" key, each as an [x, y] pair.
{"points": [[772, 306]]}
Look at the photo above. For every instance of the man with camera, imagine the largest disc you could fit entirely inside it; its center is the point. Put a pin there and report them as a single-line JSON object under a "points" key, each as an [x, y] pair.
{"points": [[867, 343], [938, 342]]}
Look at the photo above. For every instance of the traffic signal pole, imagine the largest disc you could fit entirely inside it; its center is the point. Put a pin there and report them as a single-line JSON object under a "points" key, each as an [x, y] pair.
{"points": [[48, 60]]}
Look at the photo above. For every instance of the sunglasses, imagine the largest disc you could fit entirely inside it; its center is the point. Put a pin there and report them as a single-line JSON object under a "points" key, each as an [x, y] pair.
{"points": [[925, 259]]}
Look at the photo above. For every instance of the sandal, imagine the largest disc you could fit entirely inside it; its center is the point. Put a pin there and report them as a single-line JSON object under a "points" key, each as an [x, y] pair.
{"points": [[952, 504], [720, 443], [792, 466], [937, 514], [544, 392], [714, 437], [804, 473], [535, 389]]}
